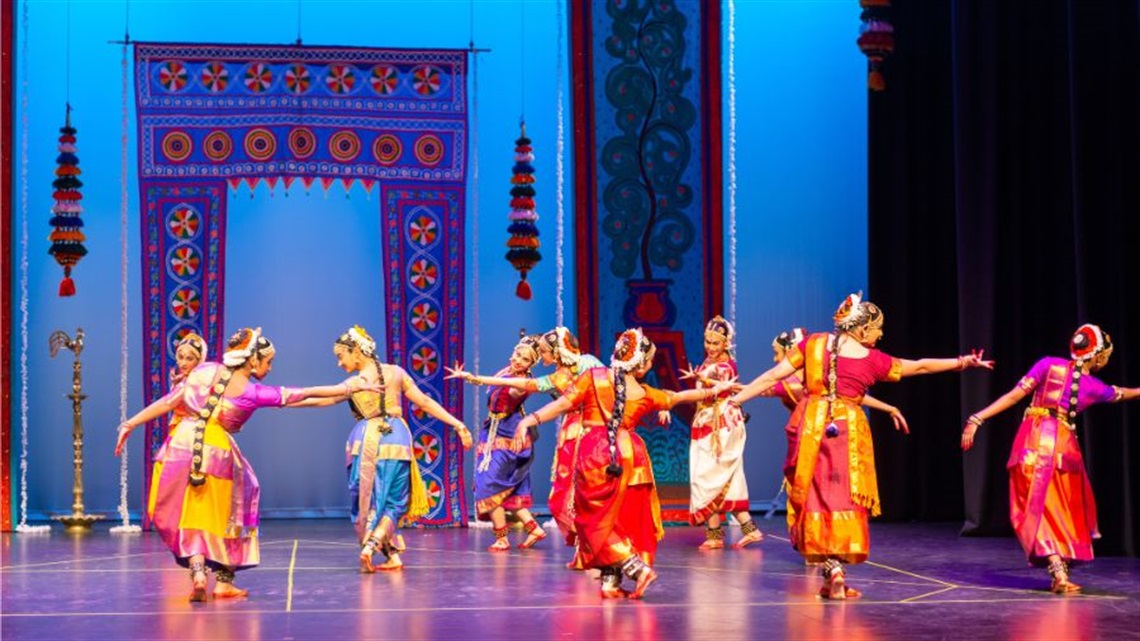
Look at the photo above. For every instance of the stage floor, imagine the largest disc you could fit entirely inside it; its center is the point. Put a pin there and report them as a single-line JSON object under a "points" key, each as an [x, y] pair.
{"points": [[923, 582]]}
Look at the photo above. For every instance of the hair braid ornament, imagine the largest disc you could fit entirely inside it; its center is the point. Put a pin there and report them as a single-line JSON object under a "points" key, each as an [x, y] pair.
{"points": [[562, 343], [631, 353], [1088, 342]]}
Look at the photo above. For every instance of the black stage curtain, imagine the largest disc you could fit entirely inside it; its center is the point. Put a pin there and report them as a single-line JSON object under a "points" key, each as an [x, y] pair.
{"points": [[1004, 211]]}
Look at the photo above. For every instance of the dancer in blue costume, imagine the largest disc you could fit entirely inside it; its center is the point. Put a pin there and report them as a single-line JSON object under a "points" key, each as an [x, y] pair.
{"points": [[502, 473], [383, 479]]}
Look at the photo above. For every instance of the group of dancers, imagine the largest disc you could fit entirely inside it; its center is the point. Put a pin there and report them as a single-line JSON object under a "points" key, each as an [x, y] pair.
{"points": [[204, 494]]}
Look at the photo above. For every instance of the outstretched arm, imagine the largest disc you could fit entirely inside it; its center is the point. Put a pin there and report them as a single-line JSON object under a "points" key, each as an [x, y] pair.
{"points": [[521, 382], [695, 395], [318, 402], [896, 416], [164, 405], [435, 410], [1126, 394], [1004, 402], [936, 365], [763, 382]]}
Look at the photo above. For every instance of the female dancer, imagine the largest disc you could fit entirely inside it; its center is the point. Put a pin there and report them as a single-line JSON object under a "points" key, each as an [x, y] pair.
{"points": [[790, 391], [716, 452], [204, 497], [556, 347], [834, 486], [502, 474], [1051, 502], [188, 354], [384, 482], [617, 515]]}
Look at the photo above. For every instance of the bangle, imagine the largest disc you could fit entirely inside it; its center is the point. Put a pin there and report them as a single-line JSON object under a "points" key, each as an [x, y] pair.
{"points": [[537, 419], [975, 420], [477, 380]]}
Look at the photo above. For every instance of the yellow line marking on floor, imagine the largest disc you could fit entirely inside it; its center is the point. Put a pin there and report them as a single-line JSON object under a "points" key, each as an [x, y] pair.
{"points": [[289, 588], [922, 596], [911, 574]]}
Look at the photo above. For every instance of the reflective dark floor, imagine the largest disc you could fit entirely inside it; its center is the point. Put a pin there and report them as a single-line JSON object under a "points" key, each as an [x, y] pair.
{"points": [[924, 582]]}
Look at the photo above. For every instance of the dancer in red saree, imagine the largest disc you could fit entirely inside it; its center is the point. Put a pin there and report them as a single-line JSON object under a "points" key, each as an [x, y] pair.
{"points": [[616, 511], [1051, 502], [834, 488]]}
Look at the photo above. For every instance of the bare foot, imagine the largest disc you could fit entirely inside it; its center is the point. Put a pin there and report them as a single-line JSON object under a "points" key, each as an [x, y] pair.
{"points": [[535, 536], [366, 561], [500, 545], [647, 577], [754, 536], [393, 563], [1062, 585], [198, 592], [229, 591], [712, 544], [614, 593]]}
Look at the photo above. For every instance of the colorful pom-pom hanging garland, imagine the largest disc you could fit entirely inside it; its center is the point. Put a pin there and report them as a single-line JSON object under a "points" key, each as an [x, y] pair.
{"points": [[876, 39], [67, 237], [523, 244]]}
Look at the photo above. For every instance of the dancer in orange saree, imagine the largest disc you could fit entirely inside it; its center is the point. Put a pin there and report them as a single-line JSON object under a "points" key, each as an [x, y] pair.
{"points": [[616, 511], [834, 488], [1051, 503]]}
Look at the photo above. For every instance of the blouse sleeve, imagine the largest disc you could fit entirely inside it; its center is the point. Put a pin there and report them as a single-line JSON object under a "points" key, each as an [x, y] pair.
{"points": [[888, 368], [1098, 391], [660, 399], [581, 386], [1035, 376], [795, 354], [553, 381], [269, 396]]}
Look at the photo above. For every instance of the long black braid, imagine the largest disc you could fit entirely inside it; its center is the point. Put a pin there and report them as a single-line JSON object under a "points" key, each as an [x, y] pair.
{"points": [[383, 392], [614, 468]]}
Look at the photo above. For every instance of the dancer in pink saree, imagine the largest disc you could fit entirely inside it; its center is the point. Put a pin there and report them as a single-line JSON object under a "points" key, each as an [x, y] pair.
{"points": [[204, 495], [1051, 502]]}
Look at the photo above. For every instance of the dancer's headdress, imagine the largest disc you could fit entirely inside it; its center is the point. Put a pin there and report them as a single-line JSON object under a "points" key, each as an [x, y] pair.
{"points": [[721, 328], [632, 351], [196, 342], [1088, 342], [244, 344], [561, 342], [356, 336]]}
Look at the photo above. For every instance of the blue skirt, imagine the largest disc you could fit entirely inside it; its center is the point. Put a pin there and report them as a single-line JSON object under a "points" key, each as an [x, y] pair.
{"points": [[379, 473]]}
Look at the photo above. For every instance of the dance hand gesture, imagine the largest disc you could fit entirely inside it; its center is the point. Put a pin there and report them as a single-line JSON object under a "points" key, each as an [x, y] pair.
{"points": [[124, 432], [458, 372], [464, 436], [664, 417], [968, 432], [975, 359], [899, 421], [689, 373], [518, 442]]}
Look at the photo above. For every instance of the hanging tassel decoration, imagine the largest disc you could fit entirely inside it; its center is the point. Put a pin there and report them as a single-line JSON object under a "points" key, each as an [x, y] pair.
{"points": [[876, 39], [67, 237], [523, 244]]}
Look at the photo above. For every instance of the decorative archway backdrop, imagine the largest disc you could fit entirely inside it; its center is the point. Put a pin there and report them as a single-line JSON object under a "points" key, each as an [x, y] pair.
{"points": [[211, 117]]}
